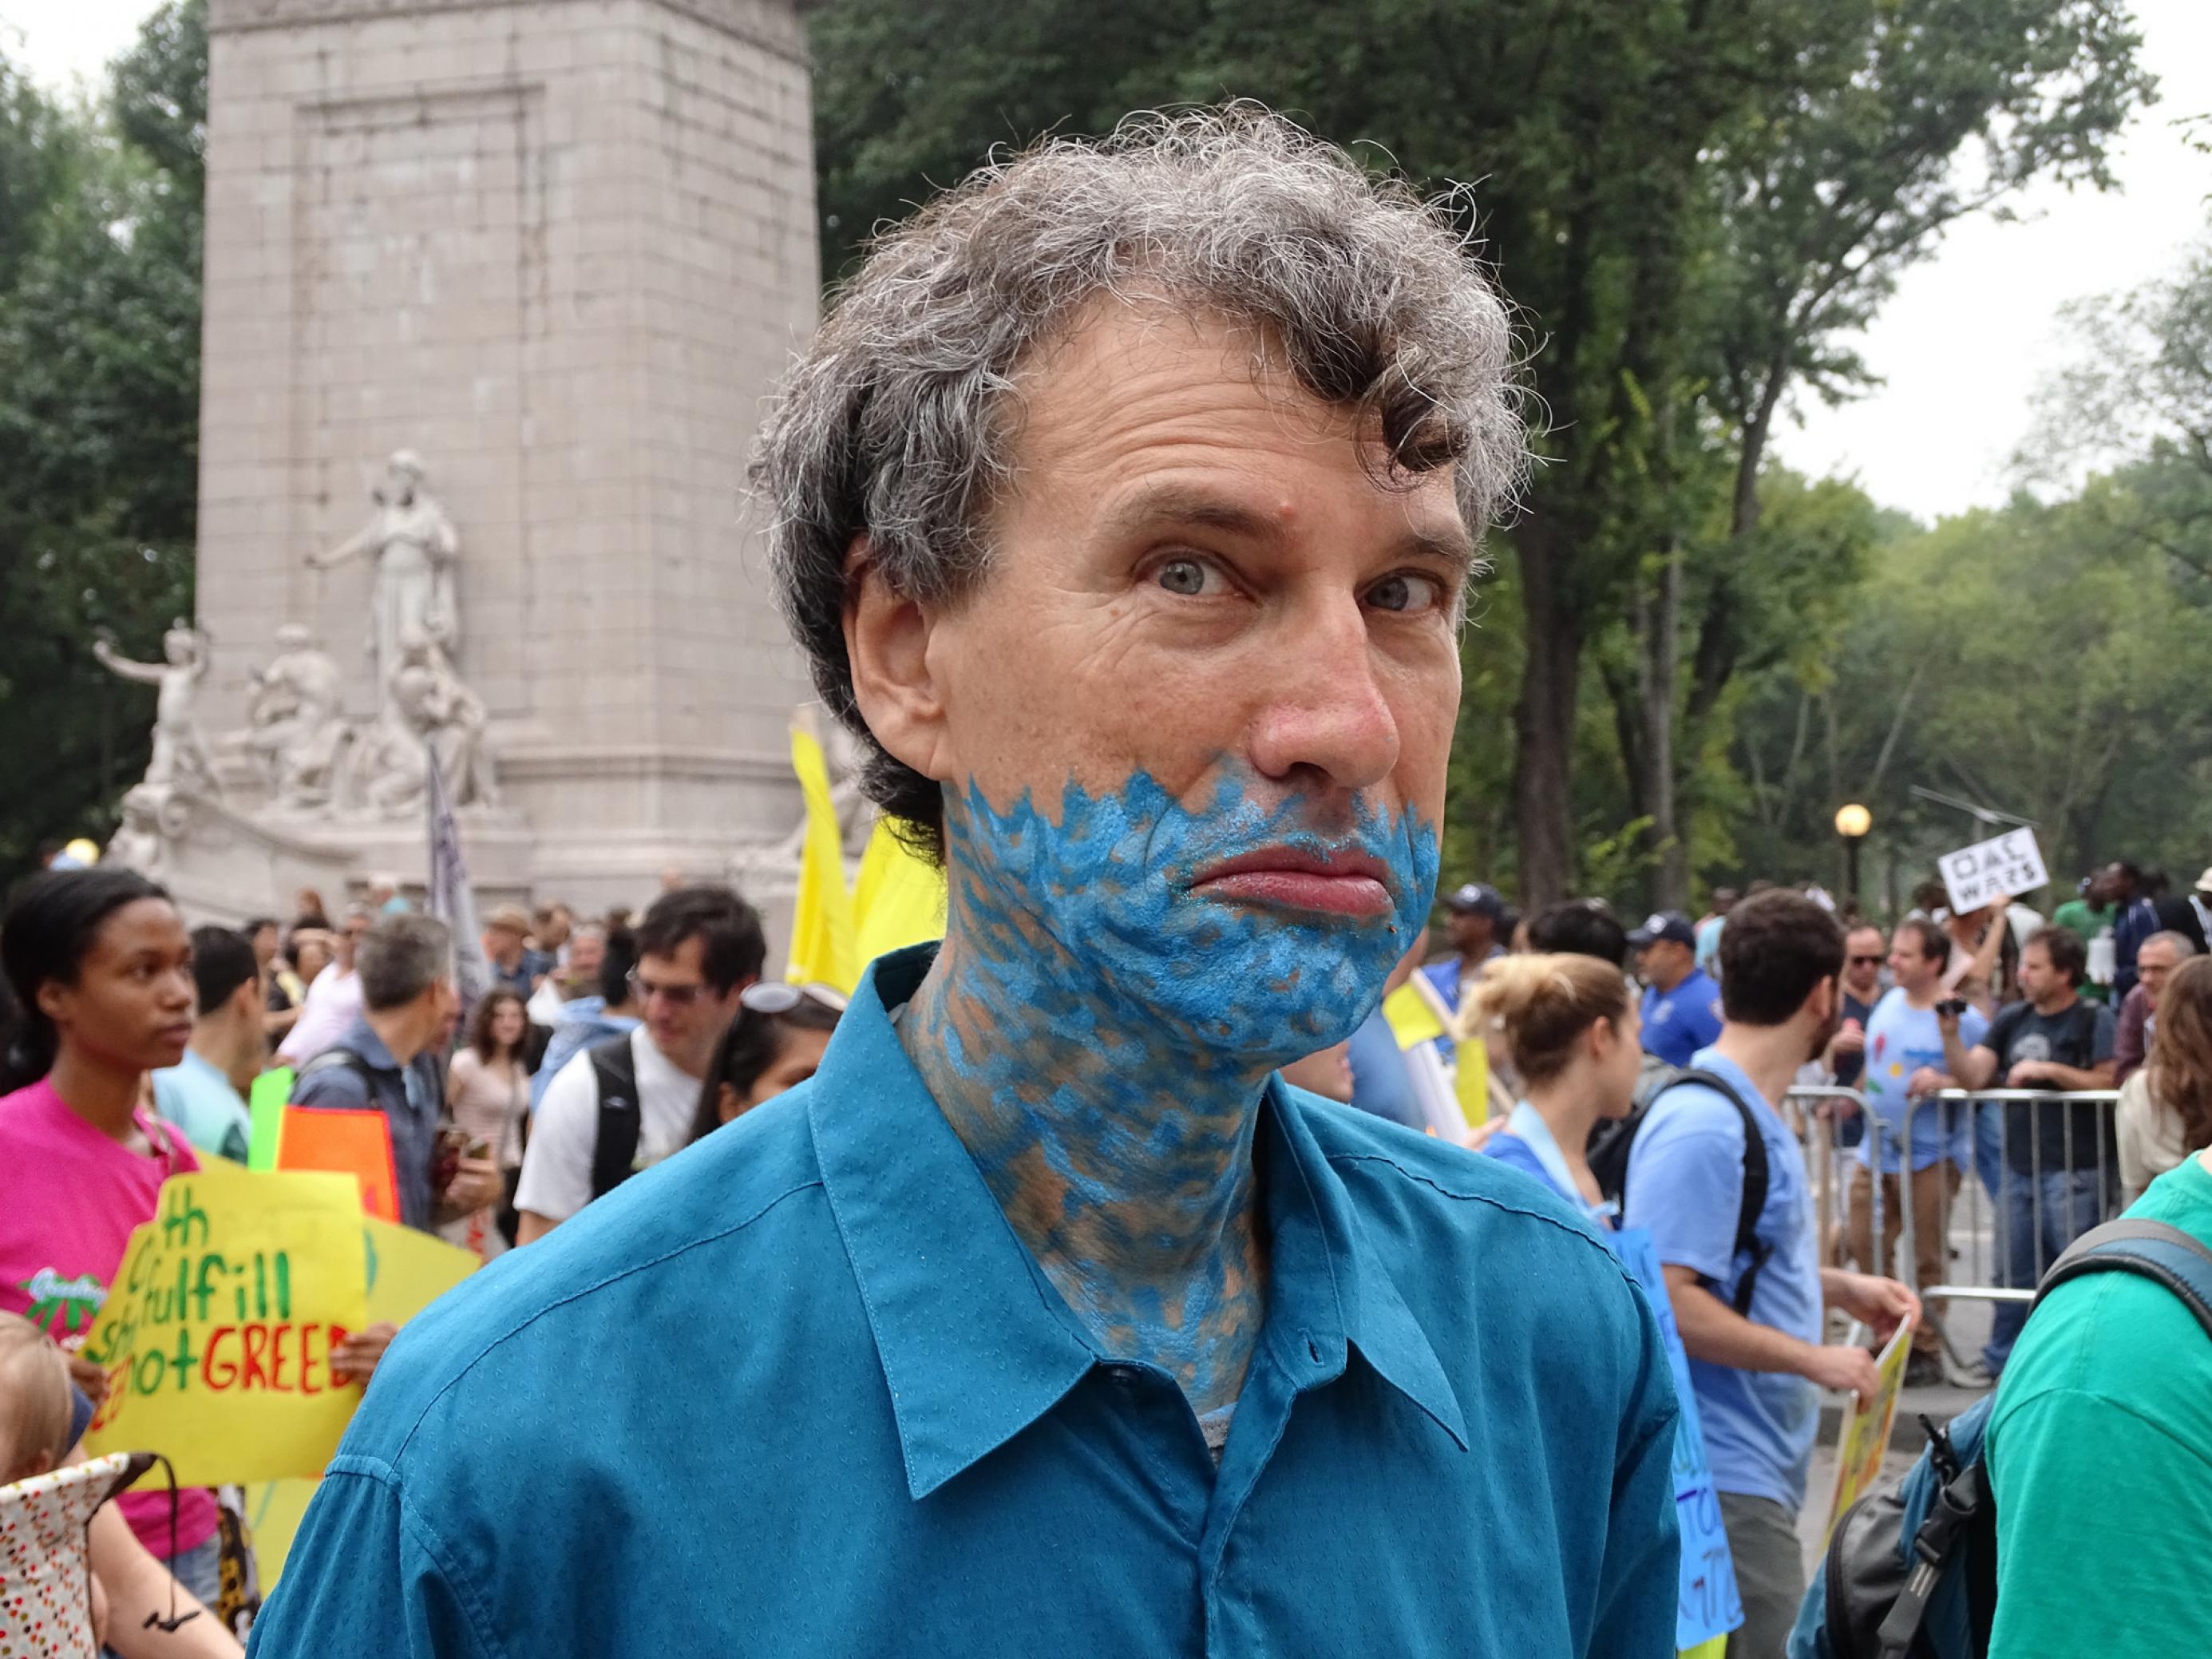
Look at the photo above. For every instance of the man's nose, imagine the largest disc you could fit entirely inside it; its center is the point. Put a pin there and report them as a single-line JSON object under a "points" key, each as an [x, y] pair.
{"points": [[1322, 711]]}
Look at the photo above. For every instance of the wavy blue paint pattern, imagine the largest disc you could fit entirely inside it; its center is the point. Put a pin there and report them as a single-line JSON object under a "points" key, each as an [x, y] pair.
{"points": [[1099, 1034]]}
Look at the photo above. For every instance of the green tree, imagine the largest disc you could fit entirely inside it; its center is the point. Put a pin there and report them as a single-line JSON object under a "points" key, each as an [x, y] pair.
{"points": [[2012, 657], [2139, 395], [1621, 146], [99, 262]]}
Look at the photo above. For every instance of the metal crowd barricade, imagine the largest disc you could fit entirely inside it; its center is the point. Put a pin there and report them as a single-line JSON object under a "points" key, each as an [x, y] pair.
{"points": [[2035, 1169]]}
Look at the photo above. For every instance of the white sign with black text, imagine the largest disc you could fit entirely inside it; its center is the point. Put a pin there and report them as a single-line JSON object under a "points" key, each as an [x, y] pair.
{"points": [[1994, 869]]}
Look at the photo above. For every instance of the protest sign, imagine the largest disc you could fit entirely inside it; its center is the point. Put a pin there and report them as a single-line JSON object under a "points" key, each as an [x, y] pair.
{"points": [[1865, 1435], [1993, 869], [271, 1089], [1709, 1604], [216, 1337], [358, 1143], [407, 1271], [274, 1510]]}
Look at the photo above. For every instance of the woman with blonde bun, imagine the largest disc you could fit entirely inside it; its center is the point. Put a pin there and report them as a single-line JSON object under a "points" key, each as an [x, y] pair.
{"points": [[1571, 1026]]}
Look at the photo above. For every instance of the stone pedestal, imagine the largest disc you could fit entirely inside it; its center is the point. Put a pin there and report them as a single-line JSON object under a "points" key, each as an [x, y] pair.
{"points": [[560, 248]]}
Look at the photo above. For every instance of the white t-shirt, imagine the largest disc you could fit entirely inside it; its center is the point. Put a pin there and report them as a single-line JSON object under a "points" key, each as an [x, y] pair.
{"points": [[557, 1170], [332, 1002]]}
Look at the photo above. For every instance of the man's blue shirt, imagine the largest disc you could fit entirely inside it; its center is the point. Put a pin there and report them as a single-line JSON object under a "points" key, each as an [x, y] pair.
{"points": [[1686, 1186], [1680, 1022], [799, 1389]]}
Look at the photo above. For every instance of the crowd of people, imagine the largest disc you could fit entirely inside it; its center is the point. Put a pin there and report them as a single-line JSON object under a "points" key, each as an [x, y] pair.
{"points": [[133, 1045]]}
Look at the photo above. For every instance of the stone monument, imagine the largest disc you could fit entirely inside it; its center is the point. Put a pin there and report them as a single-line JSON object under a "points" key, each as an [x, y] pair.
{"points": [[548, 255]]}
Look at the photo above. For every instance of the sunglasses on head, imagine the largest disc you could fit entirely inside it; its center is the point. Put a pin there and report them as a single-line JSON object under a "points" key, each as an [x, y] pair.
{"points": [[774, 996]]}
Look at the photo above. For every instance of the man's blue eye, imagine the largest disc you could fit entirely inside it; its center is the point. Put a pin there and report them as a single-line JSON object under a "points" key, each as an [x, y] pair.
{"points": [[1406, 593], [1184, 576]]}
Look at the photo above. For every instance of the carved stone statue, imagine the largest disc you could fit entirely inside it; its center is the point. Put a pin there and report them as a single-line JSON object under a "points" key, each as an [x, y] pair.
{"points": [[294, 728], [151, 819], [180, 755], [429, 717], [415, 544]]}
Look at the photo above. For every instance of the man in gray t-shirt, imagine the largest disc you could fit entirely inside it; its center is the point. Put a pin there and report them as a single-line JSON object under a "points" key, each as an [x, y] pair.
{"points": [[2057, 1157]]}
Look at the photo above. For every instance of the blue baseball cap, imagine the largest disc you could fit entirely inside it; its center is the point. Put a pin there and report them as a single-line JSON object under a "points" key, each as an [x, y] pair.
{"points": [[1477, 898], [1664, 924]]}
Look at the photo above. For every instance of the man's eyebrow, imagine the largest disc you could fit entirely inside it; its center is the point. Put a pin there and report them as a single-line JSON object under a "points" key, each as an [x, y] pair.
{"points": [[1452, 546], [1180, 504]]}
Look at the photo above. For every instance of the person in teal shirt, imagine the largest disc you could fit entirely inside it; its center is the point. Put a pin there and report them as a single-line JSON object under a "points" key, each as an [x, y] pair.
{"points": [[2099, 1454], [1045, 1318], [198, 1094]]}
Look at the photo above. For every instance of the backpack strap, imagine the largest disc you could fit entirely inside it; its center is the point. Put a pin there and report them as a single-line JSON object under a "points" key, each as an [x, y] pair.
{"points": [[2149, 1249], [333, 1060], [614, 1149], [1749, 1247]]}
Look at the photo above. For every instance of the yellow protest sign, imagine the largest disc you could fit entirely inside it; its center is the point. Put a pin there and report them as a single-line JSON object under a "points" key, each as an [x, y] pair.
{"points": [[408, 1271], [1865, 1435], [274, 1510], [217, 1336]]}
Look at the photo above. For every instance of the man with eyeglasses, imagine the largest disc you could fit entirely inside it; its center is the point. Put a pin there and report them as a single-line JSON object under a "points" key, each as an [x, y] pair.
{"points": [[623, 1105]]}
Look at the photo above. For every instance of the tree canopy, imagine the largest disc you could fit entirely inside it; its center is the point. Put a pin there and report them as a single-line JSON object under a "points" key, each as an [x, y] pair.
{"points": [[100, 338]]}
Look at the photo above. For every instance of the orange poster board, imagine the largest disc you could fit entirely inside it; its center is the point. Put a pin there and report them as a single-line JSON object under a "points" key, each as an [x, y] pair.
{"points": [[350, 1142]]}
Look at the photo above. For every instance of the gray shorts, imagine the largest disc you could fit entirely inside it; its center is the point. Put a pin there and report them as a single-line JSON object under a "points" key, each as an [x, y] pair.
{"points": [[1770, 1573]]}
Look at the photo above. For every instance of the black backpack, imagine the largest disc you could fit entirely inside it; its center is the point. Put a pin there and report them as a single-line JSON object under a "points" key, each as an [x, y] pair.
{"points": [[614, 1153], [1911, 1570], [1609, 1160]]}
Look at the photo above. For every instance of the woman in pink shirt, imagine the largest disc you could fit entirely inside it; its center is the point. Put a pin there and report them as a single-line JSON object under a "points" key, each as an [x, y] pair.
{"points": [[101, 971]]}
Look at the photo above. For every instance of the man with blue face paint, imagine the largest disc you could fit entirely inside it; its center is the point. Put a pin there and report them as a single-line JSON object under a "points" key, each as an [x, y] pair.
{"points": [[1123, 506]]}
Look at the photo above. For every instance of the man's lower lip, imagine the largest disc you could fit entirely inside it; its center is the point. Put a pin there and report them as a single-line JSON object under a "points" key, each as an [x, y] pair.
{"points": [[1303, 890]]}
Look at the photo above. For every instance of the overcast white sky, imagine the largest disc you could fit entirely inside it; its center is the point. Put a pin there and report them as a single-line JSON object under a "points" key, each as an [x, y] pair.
{"points": [[1961, 348]]}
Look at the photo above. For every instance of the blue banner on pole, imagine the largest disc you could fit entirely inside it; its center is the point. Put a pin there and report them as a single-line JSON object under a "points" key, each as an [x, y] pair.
{"points": [[1709, 1604]]}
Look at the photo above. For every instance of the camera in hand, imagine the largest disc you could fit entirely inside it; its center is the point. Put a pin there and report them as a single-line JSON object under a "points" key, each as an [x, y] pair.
{"points": [[1951, 1008]]}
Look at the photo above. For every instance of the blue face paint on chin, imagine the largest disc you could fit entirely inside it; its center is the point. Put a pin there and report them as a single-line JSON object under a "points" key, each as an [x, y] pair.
{"points": [[1092, 922]]}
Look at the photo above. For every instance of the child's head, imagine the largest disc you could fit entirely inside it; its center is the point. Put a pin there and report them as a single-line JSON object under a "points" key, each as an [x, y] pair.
{"points": [[35, 1402], [775, 1043]]}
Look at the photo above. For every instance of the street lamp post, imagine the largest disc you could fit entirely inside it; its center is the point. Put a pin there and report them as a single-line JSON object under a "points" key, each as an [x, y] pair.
{"points": [[1852, 823]]}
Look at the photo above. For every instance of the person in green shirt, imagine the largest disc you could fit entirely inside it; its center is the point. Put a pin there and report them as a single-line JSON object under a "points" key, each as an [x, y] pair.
{"points": [[2088, 915], [2099, 1453]]}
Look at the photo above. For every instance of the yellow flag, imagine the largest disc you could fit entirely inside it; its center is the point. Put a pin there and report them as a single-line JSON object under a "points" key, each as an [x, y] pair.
{"points": [[1412, 1017], [899, 900], [1471, 1080], [822, 933]]}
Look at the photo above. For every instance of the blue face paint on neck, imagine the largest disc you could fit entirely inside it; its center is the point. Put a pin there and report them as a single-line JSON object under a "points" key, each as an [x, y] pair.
{"points": [[1099, 1034]]}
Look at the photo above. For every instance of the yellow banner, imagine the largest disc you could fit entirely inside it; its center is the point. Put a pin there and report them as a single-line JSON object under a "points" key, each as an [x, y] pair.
{"points": [[217, 1336]]}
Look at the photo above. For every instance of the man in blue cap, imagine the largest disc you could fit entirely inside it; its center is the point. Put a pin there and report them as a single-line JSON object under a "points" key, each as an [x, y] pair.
{"points": [[1681, 1003], [1473, 914]]}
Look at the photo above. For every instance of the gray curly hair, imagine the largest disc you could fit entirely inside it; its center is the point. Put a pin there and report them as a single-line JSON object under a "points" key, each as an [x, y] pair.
{"points": [[894, 425]]}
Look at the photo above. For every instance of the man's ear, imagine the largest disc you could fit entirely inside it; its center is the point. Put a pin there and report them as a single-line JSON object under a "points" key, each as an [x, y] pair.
{"points": [[887, 643], [248, 997]]}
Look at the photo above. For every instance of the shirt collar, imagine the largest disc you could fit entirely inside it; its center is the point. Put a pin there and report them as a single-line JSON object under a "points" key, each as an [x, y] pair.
{"points": [[361, 1036], [974, 1342], [1527, 1123]]}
